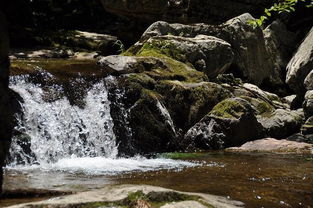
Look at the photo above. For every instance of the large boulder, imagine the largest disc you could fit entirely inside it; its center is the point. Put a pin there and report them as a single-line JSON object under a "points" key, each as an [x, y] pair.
{"points": [[147, 104], [231, 123], [301, 64], [280, 42], [185, 11], [161, 97], [211, 55], [281, 123], [252, 59]]}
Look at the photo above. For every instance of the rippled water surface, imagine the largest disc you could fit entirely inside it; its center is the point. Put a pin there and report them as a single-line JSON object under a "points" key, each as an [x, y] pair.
{"points": [[259, 180]]}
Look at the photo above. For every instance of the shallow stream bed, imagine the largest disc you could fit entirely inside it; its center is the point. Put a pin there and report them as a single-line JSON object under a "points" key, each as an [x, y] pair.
{"points": [[259, 180]]}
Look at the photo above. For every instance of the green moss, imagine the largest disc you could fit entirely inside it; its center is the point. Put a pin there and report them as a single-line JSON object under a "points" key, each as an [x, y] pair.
{"points": [[135, 196], [181, 155], [229, 108], [166, 48]]}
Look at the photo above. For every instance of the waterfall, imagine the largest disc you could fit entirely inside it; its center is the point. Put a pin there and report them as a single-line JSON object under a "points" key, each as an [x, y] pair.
{"points": [[67, 126], [58, 129]]}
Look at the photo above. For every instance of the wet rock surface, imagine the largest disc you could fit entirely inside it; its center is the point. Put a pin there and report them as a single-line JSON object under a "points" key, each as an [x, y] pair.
{"points": [[274, 146], [135, 196]]}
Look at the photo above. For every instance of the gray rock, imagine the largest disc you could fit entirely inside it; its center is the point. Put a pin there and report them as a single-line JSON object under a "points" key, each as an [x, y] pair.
{"points": [[307, 127], [253, 59], [308, 82], [275, 146], [206, 53], [118, 65], [298, 137], [290, 99], [308, 103], [280, 42], [301, 64], [184, 204], [281, 123], [120, 193], [231, 123]]}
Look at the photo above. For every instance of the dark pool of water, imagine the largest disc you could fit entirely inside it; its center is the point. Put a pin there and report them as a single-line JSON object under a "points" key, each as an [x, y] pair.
{"points": [[259, 180]]}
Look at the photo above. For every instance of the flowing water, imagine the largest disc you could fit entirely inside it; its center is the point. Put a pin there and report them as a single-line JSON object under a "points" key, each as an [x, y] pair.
{"points": [[67, 143]]}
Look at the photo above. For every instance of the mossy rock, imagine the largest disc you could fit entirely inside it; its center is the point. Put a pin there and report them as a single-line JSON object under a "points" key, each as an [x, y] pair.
{"points": [[189, 102], [231, 122], [232, 108], [151, 127], [208, 54]]}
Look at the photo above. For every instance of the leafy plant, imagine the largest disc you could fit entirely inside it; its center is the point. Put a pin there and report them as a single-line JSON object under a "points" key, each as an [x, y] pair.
{"points": [[120, 45], [282, 6]]}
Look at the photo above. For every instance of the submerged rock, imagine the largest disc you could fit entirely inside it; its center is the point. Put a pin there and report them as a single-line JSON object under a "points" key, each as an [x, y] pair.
{"points": [[301, 64], [274, 146]]}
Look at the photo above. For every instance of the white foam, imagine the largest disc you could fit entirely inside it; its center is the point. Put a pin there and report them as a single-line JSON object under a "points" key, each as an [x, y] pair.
{"points": [[109, 166]]}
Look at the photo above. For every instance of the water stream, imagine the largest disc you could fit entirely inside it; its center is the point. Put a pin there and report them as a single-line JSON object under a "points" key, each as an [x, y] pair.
{"points": [[67, 143]]}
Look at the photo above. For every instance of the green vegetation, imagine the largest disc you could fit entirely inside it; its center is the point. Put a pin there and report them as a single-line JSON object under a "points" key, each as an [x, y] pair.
{"points": [[181, 155], [282, 6]]}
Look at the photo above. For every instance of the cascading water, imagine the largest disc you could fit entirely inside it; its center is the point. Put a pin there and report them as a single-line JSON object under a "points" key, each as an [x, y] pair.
{"points": [[59, 130], [63, 136]]}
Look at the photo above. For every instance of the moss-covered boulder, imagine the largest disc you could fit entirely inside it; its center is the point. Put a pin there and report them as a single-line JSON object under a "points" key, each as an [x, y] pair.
{"points": [[252, 60], [209, 54], [162, 98], [230, 123], [189, 102]]}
